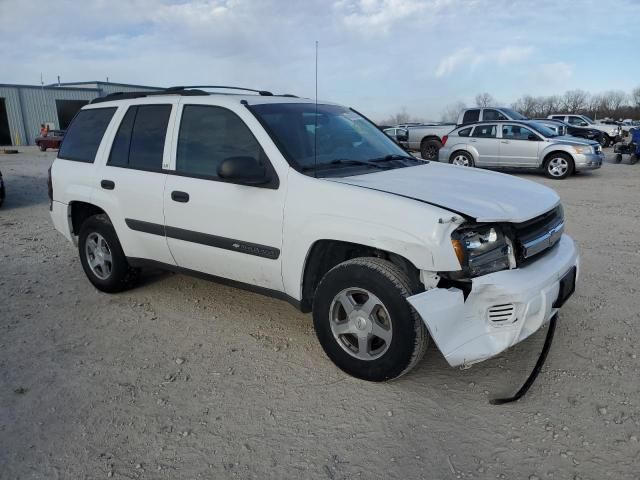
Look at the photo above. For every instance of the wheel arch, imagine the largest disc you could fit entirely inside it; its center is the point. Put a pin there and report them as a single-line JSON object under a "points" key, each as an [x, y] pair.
{"points": [[79, 211], [564, 153], [428, 138], [463, 148], [325, 254]]}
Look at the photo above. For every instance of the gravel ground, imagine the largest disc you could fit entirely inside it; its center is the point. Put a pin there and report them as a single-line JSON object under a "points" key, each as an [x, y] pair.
{"points": [[181, 378]]}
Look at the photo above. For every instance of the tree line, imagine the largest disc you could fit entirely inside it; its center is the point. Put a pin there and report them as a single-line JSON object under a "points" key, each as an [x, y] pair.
{"points": [[614, 104]]}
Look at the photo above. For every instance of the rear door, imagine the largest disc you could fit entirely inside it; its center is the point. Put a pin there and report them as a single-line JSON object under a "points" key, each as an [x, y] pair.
{"points": [[131, 182], [216, 226], [519, 146], [484, 140]]}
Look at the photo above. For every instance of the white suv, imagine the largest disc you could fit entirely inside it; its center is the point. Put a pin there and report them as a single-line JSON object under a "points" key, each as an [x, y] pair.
{"points": [[313, 204]]}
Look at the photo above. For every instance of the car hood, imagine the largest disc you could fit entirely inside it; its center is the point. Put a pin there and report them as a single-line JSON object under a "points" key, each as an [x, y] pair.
{"points": [[568, 140], [483, 195]]}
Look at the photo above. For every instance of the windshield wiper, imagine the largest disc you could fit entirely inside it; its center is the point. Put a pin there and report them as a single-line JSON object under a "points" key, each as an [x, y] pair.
{"points": [[344, 162], [396, 156]]}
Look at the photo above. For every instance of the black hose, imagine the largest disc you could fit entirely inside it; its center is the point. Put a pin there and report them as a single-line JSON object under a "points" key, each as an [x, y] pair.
{"points": [[536, 370]]}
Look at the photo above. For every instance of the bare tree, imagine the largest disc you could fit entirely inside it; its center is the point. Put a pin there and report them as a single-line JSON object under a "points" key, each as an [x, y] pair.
{"points": [[451, 112], [485, 100], [526, 105], [400, 117], [612, 101], [575, 101], [635, 96]]}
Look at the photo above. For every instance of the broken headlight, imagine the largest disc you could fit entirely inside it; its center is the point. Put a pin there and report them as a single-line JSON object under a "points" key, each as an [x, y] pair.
{"points": [[483, 249]]}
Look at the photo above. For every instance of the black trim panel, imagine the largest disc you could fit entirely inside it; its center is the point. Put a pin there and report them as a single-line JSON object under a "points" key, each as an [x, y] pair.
{"points": [[143, 262], [225, 243]]}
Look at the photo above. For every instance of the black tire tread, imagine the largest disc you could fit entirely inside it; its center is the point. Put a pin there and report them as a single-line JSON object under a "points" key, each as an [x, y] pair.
{"points": [[401, 281]]}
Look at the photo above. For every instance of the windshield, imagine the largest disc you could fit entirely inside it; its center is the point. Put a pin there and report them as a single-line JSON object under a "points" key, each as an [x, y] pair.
{"points": [[340, 137], [513, 115], [542, 129]]}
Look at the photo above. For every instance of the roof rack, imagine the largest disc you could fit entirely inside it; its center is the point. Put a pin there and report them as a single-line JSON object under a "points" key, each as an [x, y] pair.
{"points": [[263, 93], [188, 90]]}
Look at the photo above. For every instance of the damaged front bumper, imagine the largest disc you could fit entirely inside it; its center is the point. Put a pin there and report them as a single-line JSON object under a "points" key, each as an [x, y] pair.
{"points": [[502, 309]]}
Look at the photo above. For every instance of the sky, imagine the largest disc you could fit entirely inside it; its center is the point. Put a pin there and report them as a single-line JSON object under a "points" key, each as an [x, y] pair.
{"points": [[378, 56]]}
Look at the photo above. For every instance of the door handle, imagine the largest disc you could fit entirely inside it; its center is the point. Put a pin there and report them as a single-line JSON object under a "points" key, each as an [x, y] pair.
{"points": [[504, 141], [107, 184], [177, 196], [473, 140]]}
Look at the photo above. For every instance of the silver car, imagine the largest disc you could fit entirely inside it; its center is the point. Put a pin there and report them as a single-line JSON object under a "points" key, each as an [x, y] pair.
{"points": [[520, 144]]}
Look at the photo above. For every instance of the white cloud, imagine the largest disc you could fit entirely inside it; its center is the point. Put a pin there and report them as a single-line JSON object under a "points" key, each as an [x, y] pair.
{"points": [[472, 59]]}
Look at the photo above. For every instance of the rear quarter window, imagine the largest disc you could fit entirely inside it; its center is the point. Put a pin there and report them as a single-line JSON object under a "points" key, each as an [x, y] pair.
{"points": [[465, 132], [85, 133], [471, 116]]}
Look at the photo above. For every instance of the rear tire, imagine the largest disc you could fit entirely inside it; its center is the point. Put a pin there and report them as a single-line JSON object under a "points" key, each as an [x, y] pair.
{"points": [[558, 166], [618, 158], [364, 322], [102, 257], [429, 149], [43, 148], [606, 141], [633, 159], [461, 158]]}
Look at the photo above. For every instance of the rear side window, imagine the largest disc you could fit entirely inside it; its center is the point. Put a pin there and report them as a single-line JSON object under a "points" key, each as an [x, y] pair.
{"points": [[139, 142], [464, 132], [209, 135], [471, 116], [85, 133], [558, 117], [485, 131], [490, 114]]}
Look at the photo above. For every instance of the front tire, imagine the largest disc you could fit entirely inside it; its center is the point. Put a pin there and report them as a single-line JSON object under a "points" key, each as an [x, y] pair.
{"points": [[102, 258], [633, 159], [43, 148], [429, 149], [605, 141], [558, 166], [364, 322]]}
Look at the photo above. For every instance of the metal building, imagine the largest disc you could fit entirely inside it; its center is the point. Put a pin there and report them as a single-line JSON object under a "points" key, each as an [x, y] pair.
{"points": [[23, 108]]}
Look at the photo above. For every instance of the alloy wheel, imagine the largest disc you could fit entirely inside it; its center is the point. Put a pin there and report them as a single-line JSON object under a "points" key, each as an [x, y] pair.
{"points": [[558, 167], [360, 323], [98, 256]]}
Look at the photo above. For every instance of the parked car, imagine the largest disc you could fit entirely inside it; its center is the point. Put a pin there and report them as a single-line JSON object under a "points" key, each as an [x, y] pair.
{"points": [[2, 190], [427, 138], [483, 114], [563, 128], [53, 139], [397, 133], [313, 204], [613, 133], [524, 144]]}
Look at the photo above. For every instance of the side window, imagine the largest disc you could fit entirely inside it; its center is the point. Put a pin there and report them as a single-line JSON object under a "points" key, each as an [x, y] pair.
{"points": [[516, 132], [471, 116], [558, 117], [491, 114], [208, 136], [464, 132], [119, 156], [85, 134], [577, 121], [139, 142], [485, 131]]}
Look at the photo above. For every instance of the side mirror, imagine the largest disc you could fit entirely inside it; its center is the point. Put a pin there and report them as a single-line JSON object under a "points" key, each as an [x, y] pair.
{"points": [[243, 170], [533, 137]]}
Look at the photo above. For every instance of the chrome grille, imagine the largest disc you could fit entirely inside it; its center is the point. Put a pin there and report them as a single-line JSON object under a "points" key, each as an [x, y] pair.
{"points": [[539, 234]]}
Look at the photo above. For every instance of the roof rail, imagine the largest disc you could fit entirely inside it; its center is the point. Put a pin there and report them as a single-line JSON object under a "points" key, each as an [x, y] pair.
{"points": [[264, 93], [129, 95]]}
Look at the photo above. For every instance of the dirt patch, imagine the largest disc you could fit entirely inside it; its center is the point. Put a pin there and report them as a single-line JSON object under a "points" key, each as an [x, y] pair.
{"points": [[180, 378]]}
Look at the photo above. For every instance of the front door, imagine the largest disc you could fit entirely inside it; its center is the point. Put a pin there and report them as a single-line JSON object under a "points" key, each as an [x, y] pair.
{"points": [[519, 147], [215, 226]]}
